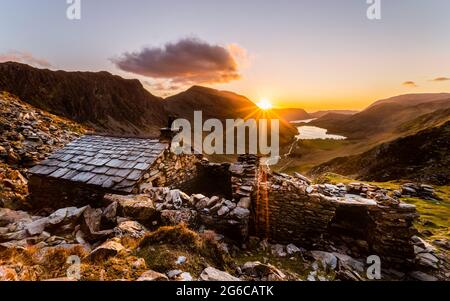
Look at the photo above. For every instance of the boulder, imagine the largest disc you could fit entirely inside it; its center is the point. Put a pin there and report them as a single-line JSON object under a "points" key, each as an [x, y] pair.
{"points": [[106, 250], [65, 216], [442, 243], [176, 199], [259, 270], [212, 274], [240, 213], [196, 198], [325, 258], [224, 210], [91, 225], [213, 201], [152, 276], [349, 263], [38, 226], [174, 273], [136, 207], [292, 249], [176, 217], [109, 214], [130, 229], [278, 250], [421, 276], [202, 204], [230, 204], [185, 276], [8, 216], [428, 260], [245, 203]]}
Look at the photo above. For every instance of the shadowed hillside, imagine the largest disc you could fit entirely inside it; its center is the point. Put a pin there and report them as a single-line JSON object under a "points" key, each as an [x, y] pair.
{"points": [[292, 114], [104, 101], [383, 120], [221, 105], [421, 157]]}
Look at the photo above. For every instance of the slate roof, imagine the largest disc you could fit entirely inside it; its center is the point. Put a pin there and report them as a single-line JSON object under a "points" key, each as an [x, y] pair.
{"points": [[115, 164]]}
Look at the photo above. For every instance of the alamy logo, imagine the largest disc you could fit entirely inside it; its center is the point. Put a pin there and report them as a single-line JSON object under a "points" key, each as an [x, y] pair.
{"points": [[374, 270], [374, 10], [73, 11], [240, 136], [74, 270]]}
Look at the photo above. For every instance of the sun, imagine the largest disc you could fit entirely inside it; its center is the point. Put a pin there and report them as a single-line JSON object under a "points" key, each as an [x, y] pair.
{"points": [[265, 104]]}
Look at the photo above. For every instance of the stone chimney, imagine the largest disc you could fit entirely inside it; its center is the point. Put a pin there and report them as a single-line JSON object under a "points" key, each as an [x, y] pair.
{"points": [[167, 133]]}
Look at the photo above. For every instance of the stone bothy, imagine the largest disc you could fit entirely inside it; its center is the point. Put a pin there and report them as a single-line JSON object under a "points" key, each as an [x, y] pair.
{"points": [[85, 170], [236, 199]]}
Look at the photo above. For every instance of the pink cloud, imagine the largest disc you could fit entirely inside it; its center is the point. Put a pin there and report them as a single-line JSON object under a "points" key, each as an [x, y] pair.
{"points": [[23, 57]]}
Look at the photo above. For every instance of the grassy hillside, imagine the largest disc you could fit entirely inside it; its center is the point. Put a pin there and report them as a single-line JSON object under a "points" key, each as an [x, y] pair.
{"points": [[421, 157]]}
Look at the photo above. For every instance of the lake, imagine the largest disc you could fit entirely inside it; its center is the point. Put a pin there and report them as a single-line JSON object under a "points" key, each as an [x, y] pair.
{"points": [[314, 132]]}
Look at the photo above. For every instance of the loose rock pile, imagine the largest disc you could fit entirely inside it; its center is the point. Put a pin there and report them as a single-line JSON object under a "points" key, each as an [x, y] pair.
{"points": [[225, 216], [28, 136], [418, 190]]}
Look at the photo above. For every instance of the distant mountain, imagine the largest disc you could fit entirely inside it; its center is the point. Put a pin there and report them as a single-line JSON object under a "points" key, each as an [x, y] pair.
{"points": [[384, 120], [292, 114], [412, 99], [338, 112], [422, 157], [220, 105], [100, 100], [213, 103], [114, 105]]}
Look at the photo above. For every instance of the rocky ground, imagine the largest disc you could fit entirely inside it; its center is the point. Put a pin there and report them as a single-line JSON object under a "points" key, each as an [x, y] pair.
{"points": [[28, 135], [159, 235]]}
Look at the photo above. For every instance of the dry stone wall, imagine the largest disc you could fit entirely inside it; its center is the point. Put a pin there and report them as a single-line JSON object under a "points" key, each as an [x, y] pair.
{"points": [[289, 210]]}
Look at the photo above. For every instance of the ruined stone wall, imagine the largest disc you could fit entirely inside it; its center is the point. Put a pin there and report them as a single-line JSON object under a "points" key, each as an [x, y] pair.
{"points": [[287, 214], [288, 210], [391, 235]]}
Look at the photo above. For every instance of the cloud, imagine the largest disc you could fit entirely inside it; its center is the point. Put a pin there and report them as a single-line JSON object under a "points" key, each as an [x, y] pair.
{"points": [[162, 87], [441, 79], [186, 62], [410, 84], [23, 57]]}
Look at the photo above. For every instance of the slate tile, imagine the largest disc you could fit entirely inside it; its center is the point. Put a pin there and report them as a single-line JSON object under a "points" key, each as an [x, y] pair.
{"points": [[124, 185], [42, 170], [52, 162], [98, 180], [111, 182], [83, 177], [100, 170], [135, 175], [98, 162], [111, 171], [75, 166], [63, 164], [87, 168], [77, 159], [142, 166], [115, 163], [70, 175], [60, 172], [128, 165]]}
